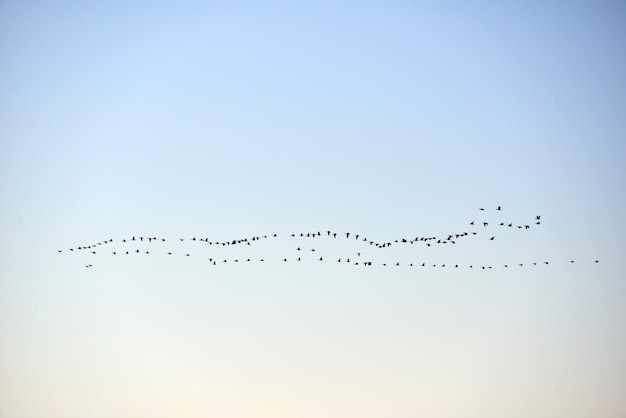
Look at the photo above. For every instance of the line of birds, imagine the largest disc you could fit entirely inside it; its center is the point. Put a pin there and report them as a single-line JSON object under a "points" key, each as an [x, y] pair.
{"points": [[370, 263], [426, 240]]}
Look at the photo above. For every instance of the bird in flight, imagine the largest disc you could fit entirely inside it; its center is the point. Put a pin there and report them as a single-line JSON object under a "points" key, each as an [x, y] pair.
{"points": [[430, 242]]}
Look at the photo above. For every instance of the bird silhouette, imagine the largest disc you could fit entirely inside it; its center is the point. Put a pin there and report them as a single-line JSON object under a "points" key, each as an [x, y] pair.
{"points": [[429, 241]]}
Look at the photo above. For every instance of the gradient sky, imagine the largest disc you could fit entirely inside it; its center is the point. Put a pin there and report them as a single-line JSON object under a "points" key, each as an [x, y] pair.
{"points": [[389, 119]]}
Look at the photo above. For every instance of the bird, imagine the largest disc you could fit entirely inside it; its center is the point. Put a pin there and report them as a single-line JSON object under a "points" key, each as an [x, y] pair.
{"points": [[498, 208]]}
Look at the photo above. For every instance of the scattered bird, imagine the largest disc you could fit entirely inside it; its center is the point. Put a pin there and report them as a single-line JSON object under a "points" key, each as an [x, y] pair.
{"points": [[429, 241]]}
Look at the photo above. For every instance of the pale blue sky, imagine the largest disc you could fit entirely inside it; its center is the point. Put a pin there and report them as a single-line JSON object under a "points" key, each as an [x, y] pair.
{"points": [[389, 119]]}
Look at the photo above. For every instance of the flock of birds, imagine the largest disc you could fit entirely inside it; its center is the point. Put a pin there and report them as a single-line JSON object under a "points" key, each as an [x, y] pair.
{"points": [[132, 246]]}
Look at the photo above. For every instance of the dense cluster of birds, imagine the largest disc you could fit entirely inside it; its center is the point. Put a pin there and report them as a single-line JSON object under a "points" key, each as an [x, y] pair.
{"points": [[132, 244]]}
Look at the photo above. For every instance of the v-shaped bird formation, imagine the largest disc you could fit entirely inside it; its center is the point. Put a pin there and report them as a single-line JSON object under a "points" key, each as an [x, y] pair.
{"points": [[318, 246]]}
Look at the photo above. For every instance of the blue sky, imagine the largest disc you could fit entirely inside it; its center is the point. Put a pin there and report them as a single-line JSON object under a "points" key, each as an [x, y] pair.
{"points": [[388, 119]]}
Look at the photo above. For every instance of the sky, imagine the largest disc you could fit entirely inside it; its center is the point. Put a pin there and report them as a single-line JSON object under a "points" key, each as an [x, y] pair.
{"points": [[233, 120]]}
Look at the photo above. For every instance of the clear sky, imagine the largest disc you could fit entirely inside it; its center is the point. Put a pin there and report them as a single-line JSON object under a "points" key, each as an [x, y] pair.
{"points": [[229, 120]]}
